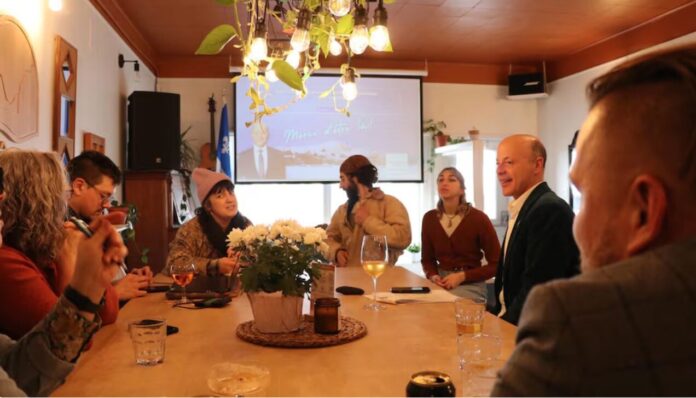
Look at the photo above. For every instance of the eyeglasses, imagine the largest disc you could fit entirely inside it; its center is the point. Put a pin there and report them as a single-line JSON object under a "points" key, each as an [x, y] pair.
{"points": [[105, 196]]}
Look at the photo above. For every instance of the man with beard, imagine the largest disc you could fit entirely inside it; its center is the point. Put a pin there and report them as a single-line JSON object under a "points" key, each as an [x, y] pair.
{"points": [[368, 211], [625, 326]]}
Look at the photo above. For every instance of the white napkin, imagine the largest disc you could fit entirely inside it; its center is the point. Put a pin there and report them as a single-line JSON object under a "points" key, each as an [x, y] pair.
{"points": [[435, 296]]}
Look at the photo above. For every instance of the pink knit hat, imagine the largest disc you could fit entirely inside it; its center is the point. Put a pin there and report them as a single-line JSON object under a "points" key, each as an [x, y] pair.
{"points": [[205, 181]]}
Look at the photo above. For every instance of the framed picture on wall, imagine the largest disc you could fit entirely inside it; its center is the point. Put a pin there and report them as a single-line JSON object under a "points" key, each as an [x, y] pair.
{"points": [[93, 142], [575, 198]]}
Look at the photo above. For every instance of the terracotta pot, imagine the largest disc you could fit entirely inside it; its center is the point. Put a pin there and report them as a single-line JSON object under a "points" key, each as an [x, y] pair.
{"points": [[275, 313], [441, 140]]}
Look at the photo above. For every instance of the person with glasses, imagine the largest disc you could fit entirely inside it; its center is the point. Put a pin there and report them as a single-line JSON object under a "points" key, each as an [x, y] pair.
{"points": [[40, 361], [93, 178], [37, 258]]}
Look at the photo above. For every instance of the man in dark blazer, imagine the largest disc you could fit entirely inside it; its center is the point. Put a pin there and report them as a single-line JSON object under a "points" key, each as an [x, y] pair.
{"points": [[538, 244], [627, 325], [260, 162]]}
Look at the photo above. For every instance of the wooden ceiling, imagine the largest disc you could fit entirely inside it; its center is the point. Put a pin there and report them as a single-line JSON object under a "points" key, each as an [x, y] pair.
{"points": [[474, 41]]}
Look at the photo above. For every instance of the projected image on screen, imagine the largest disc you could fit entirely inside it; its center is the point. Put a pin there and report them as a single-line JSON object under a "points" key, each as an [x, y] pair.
{"points": [[308, 141]]}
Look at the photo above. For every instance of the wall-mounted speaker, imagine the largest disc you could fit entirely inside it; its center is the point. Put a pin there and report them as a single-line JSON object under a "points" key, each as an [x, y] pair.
{"points": [[527, 86], [153, 139]]}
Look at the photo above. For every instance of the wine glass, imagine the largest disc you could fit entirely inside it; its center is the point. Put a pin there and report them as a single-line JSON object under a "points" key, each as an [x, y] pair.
{"points": [[183, 275], [374, 256]]}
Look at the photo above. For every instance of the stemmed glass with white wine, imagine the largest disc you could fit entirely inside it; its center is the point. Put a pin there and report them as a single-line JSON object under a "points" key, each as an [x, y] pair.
{"points": [[374, 258], [183, 275]]}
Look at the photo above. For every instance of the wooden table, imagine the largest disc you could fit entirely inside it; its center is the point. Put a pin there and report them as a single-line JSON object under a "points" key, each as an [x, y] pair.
{"points": [[401, 340]]}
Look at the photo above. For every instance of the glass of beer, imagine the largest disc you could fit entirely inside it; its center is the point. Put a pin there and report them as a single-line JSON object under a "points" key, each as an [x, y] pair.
{"points": [[183, 275], [374, 259], [469, 315]]}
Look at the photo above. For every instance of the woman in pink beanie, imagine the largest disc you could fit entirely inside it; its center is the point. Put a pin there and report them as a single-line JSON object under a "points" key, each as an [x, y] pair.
{"points": [[202, 240]]}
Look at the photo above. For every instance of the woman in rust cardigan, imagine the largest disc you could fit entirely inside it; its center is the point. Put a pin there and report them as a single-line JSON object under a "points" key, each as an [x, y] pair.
{"points": [[37, 258], [453, 237]]}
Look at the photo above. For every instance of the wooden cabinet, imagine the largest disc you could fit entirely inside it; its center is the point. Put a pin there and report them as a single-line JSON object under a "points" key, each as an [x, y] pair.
{"points": [[163, 206]]}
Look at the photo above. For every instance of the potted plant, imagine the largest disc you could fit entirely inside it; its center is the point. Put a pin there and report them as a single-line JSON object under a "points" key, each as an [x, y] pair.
{"points": [[414, 249], [278, 271], [436, 129], [127, 229]]}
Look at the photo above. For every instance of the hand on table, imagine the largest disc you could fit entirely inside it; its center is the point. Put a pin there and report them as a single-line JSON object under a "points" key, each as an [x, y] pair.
{"points": [[143, 271], [342, 257], [132, 285]]}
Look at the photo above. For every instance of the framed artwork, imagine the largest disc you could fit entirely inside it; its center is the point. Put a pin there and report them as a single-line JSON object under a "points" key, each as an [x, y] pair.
{"points": [[19, 83], [93, 142], [64, 99], [575, 198]]}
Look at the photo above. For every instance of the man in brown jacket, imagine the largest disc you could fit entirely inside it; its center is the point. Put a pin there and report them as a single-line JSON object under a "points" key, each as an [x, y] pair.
{"points": [[368, 211], [627, 325]]}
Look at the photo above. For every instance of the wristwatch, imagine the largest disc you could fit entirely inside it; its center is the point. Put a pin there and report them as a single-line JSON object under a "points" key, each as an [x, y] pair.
{"points": [[82, 302]]}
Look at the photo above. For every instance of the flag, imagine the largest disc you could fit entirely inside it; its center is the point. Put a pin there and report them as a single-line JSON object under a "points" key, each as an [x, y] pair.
{"points": [[223, 146]]}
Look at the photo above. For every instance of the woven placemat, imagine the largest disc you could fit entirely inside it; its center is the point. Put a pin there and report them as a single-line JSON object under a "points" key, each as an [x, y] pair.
{"points": [[351, 329]]}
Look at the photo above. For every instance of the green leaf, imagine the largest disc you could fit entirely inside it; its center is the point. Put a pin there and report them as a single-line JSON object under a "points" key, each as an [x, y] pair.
{"points": [[235, 79], [288, 75], [230, 2], [389, 1], [327, 92], [345, 25], [322, 39], [216, 40]]}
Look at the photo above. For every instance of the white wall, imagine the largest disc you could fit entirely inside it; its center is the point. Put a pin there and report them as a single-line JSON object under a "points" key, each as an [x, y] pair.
{"points": [[463, 106], [102, 88], [194, 105], [563, 112]]}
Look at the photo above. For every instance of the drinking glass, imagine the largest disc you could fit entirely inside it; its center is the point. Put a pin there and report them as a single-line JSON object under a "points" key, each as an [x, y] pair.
{"points": [[374, 259], [183, 275], [469, 315]]}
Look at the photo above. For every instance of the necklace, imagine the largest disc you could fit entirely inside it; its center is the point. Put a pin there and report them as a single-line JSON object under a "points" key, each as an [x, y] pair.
{"points": [[449, 219]]}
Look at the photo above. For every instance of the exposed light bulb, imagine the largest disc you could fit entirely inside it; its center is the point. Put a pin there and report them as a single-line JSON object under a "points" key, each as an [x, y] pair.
{"points": [[246, 59], [335, 48], [379, 37], [259, 49], [55, 5], [339, 8], [300, 40], [293, 58], [359, 39], [350, 89], [271, 76]]}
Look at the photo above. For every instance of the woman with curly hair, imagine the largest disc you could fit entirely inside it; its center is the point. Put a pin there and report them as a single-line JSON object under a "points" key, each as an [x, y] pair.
{"points": [[455, 237], [37, 258]]}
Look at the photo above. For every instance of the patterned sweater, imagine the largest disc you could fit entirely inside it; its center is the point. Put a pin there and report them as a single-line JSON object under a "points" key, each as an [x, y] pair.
{"points": [[190, 245]]}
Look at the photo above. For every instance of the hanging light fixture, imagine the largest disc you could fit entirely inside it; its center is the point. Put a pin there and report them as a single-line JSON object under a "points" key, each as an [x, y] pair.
{"points": [[293, 58], [259, 47], [300, 38], [339, 8], [360, 37], [296, 34], [335, 48], [350, 89], [379, 34]]}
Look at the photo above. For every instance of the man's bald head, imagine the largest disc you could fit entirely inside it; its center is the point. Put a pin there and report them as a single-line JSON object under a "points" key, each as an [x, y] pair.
{"points": [[521, 160]]}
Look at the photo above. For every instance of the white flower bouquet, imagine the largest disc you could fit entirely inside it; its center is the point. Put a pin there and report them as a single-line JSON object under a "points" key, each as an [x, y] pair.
{"points": [[278, 256]]}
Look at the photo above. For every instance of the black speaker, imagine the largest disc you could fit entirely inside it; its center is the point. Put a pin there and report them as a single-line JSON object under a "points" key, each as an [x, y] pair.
{"points": [[526, 84], [153, 131]]}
